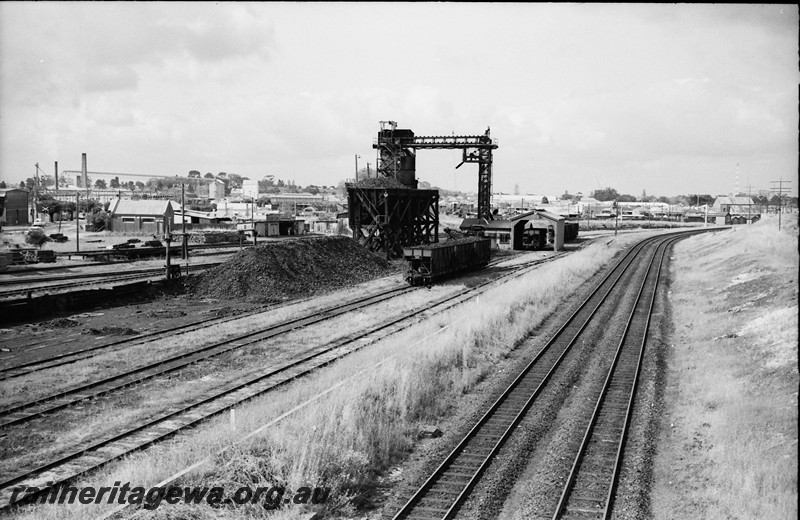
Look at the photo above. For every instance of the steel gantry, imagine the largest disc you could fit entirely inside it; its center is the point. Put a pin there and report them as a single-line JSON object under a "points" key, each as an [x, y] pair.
{"points": [[397, 157]]}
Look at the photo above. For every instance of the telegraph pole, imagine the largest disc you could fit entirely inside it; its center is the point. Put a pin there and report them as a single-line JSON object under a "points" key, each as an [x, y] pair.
{"points": [[185, 247], [77, 221], [780, 190], [36, 192]]}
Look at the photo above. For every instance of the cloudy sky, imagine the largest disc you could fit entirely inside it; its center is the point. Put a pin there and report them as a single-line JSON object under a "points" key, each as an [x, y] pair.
{"points": [[669, 99]]}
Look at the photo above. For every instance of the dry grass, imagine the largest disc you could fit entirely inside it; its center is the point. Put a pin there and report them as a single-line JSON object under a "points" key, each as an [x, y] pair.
{"points": [[730, 444], [369, 422]]}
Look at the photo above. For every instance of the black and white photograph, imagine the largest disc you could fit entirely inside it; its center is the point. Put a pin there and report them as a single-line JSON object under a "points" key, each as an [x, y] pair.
{"points": [[399, 260]]}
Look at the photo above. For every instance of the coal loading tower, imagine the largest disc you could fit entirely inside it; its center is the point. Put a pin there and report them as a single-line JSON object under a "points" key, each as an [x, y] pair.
{"points": [[388, 212]]}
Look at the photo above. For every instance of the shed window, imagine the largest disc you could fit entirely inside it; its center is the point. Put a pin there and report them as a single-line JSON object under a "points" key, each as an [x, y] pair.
{"points": [[505, 238], [148, 220], [128, 220]]}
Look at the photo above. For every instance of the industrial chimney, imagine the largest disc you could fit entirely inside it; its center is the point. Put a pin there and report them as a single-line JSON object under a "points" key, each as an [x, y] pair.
{"points": [[85, 175]]}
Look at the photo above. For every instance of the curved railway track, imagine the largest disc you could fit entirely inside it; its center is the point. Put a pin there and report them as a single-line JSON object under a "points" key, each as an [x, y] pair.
{"points": [[443, 493], [86, 458]]}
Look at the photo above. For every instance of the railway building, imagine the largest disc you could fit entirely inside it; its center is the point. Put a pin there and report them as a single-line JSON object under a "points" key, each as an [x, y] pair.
{"points": [[538, 229], [735, 210], [146, 216], [14, 207]]}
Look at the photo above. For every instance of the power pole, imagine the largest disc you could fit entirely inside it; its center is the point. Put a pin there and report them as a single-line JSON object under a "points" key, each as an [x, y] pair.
{"points": [[77, 221], [36, 192], [780, 190], [185, 248]]}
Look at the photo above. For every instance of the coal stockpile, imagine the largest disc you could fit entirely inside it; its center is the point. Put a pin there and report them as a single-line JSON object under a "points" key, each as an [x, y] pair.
{"points": [[379, 182], [285, 270]]}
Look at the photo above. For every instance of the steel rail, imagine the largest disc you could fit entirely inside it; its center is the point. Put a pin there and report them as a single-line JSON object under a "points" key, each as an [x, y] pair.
{"points": [[179, 361], [86, 353], [193, 419], [618, 384], [463, 489], [89, 352], [22, 413]]}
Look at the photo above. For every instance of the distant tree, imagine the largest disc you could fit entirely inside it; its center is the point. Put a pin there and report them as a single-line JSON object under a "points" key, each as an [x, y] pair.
{"points": [[68, 207], [281, 184], [190, 188], [30, 183], [567, 196], [114, 183], [99, 219], [664, 200], [236, 180], [2, 185], [312, 189], [194, 174], [131, 186], [516, 189], [605, 194], [626, 198], [140, 185], [48, 180], [159, 184], [47, 204], [209, 175], [100, 184], [22, 184], [698, 200]]}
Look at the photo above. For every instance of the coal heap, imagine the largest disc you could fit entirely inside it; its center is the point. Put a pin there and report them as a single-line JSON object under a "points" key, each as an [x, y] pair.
{"points": [[280, 271], [380, 182]]}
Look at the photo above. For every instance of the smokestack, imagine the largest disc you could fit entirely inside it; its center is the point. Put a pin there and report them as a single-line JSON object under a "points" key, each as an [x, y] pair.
{"points": [[85, 175], [56, 175]]}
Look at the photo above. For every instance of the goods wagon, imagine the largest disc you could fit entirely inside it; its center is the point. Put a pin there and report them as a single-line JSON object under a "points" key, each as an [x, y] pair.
{"points": [[434, 262]]}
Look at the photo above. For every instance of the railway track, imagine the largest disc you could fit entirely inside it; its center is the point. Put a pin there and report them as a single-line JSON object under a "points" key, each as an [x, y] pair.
{"points": [[10, 371], [25, 412], [80, 280], [87, 458], [590, 487], [443, 493]]}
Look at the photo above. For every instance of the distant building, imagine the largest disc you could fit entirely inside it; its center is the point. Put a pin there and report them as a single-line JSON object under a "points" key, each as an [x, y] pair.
{"points": [[734, 205], [141, 216], [250, 188], [216, 189], [14, 205]]}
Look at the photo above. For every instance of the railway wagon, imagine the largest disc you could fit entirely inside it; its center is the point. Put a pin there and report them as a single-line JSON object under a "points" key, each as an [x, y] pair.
{"points": [[434, 262]]}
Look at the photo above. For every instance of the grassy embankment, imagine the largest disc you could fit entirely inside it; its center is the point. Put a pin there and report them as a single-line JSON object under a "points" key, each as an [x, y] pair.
{"points": [[728, 447], [347, 439]]}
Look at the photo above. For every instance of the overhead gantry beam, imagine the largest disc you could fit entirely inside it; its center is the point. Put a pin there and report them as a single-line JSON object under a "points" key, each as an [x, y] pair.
{"points": [[397, 157]]}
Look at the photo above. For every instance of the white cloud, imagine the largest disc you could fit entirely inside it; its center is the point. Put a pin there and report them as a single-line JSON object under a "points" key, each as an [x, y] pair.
{"points": [[575, 94]]}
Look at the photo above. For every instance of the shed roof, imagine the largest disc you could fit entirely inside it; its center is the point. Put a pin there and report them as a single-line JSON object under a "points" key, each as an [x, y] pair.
{"points": [[141, 207], [739, 201]]}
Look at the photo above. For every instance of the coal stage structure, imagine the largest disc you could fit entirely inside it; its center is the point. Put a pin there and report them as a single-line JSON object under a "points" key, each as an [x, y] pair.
{"points": [[386, 219], [387, 212]]}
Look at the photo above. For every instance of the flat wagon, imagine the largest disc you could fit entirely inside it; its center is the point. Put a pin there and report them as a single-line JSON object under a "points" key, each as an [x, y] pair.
{"points": [[430, 263]]}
